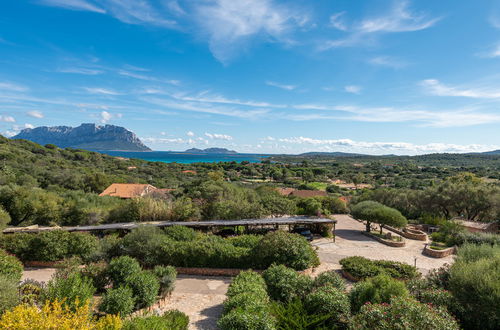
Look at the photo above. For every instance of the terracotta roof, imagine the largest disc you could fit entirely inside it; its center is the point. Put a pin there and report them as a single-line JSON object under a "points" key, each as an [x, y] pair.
{"points": [[189, 172], [127, 190], [308, 193]]}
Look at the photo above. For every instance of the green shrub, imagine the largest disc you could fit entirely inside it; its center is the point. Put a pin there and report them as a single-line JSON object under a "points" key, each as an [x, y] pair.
{"points": [[285, 284], [362, 268], [293, 315], [476, 238], [327, 300], [17, 244], [239, 319], [440, 298], [331, 278], [75, 290], [474, 281], [245, 241], [379, 289], [98, 273], [10, 266], [109, 248], [280, 247], [30, 291], [171, 320], [403, 313], [166, 276], [247, 282], [4, 218], [144, 244], [180, 233], [121, 268], [49, 246], [118, 300], [248, 301], [145, 287], [9, 295], [82, 245], [440, 277]]}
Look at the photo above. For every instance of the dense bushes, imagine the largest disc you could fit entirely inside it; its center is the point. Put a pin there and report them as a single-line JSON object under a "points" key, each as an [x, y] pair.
{"points": [[285, 284], [290, 250], [474, 281], [74, 290], [375, 290], [9, 295], [50, 246], [247, 304], [119, 301], [362, 268], [327, 300], [172, 320], [120, 269], [403, 313], [330, 278], [166, 276], [10, 266]]}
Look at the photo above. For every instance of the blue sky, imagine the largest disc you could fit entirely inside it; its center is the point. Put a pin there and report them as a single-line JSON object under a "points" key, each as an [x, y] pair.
{"points": [[264, 76]]}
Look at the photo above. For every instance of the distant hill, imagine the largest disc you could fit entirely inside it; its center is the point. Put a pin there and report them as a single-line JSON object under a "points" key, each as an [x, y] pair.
{"points": [[331, 154], [85, 136], [494, 152], [211, 151]]}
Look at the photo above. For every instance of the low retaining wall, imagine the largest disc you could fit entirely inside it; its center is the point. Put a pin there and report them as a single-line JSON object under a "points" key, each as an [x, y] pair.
{"points": [[438, 253], [349, 276], [210, 271], [385, 241], [409, 233], [42, 264]]}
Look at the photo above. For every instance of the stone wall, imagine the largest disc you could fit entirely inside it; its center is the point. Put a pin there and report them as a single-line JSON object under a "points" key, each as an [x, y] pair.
{"points": [[438, 253], [409, 233], [385, 241]]}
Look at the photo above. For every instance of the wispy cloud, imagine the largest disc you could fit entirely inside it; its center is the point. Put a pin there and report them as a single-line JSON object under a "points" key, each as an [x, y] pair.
{"points": [[35, 114], [74, 5], [102, 91], [388, 61], [282, 86], [435, 87], [190, 133], [353, 89], [141, 76], [399, 19], [106, 116], [84, 71], [216, 136], [8, 86], [337, 21], [7, 119]]}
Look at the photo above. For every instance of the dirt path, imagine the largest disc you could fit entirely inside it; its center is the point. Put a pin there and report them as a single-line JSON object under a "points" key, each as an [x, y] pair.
{"points": [[351, 242]]}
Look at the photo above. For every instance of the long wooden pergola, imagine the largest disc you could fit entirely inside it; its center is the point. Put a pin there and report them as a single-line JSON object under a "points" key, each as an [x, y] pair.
{"points": [[207, 225]]}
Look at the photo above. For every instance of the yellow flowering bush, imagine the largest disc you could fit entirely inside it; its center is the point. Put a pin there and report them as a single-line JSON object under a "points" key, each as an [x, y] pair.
{"points": [[55, 315]]}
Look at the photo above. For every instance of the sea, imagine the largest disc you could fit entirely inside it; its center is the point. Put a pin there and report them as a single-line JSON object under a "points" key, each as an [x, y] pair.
{"points": [[186, 158]]}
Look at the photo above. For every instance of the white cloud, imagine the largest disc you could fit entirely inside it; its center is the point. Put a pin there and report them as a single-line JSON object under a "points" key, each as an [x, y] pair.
{"points": [[282, 86], [353, 89], [73, 5], [435, 87], [35, 114], [84, 71], [215, 136], [106, 116], [337, 21], [103, 91], [349, 145], [388, 61], [400, 19], [190, 134], [7, 119], [204, 97], [230, 24], [29, 126], [8, 86], [140, 76]]}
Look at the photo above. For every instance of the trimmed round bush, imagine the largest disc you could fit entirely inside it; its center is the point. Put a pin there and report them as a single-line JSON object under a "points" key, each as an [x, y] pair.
{"points": [[171, 320], [280, 247], [248, 301], [144, 244], [247, 282], [75, 290], [121, 268], [329, 300], [145, 287], [379, 289], [362, 268], [245, 241], [285, 284], [9, 294], [10, 266], [98, 272], [83, 245], [166, 276], [118, 300], [331, 278], [241, 319], [180, 233], [403, 313]]}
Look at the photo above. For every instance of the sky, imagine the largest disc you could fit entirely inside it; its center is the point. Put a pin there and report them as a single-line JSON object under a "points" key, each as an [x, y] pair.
{"points": [[258, 76]]}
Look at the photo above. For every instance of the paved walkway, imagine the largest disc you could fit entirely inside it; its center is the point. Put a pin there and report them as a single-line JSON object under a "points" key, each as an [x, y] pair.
{"points": [[351, 242]]}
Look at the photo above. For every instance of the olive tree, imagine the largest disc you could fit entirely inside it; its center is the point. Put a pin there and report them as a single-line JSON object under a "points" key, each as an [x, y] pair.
{"points": [[371, 211]]}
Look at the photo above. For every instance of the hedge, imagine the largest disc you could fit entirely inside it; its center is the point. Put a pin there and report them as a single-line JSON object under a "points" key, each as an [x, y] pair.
{"points": [[172, 320], [327, 300], [362, 268], [285, 284]]}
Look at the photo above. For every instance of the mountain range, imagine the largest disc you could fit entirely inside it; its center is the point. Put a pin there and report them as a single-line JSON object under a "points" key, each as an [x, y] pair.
{"points": [[85, 136]]}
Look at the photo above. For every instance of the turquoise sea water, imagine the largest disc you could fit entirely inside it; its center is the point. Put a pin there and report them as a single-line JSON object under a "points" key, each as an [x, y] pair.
{"points": [[185, 158]]}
